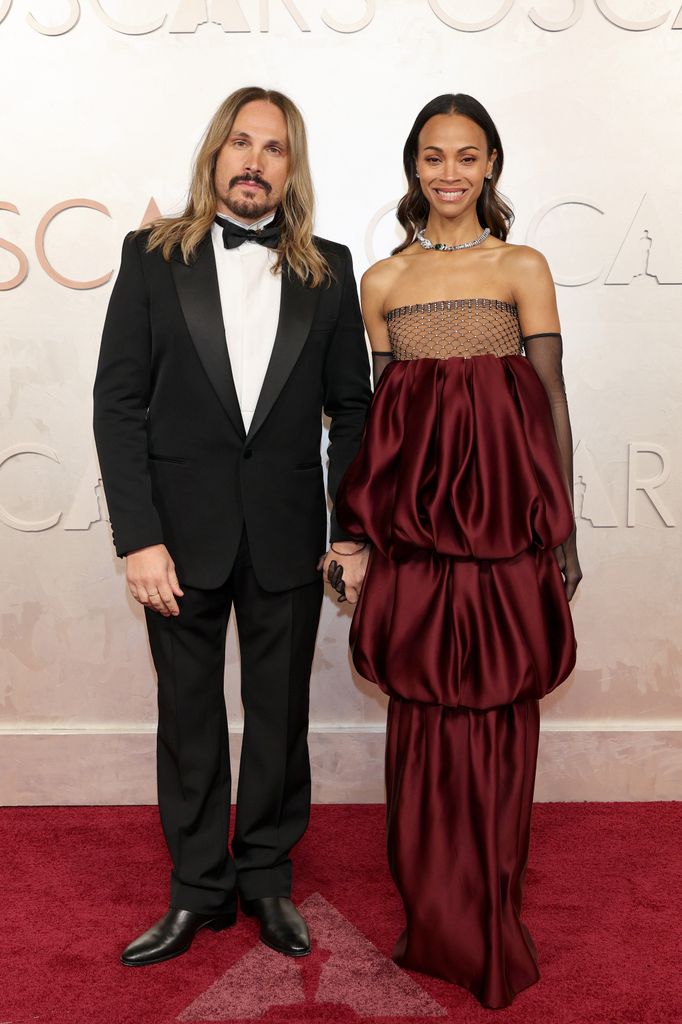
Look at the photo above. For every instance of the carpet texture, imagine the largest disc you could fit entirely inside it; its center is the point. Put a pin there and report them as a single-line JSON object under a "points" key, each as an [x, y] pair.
{"points": [[603, 903]]}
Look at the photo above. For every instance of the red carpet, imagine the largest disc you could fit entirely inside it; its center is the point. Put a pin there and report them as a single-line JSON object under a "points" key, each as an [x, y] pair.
{"points": [[603, 902]]}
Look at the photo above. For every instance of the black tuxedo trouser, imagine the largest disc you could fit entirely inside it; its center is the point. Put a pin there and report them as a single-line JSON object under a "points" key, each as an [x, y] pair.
{"points": [[276, 637]]}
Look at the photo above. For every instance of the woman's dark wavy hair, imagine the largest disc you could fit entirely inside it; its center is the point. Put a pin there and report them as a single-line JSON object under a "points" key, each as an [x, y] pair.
{"points": [[413, 209]]}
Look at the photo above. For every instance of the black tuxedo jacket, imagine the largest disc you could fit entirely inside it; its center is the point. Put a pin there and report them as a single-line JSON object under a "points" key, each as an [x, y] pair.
{"points": [[177, 465]]}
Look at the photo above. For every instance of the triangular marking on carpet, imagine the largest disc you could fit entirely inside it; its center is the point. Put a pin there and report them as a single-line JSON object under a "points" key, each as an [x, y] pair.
{"points": [[355, 974], [257, 981]]}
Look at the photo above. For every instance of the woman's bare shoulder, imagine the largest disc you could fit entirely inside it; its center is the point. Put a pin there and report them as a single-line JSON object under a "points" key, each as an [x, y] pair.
{"points": [[382, 274], [524, 257]]}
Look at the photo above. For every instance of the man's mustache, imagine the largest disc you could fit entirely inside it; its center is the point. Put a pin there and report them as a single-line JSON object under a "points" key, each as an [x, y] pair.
{"points": [[251, 177]]}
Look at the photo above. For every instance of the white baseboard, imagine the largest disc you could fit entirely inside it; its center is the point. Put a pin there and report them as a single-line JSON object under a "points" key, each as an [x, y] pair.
{"points": [[115, 764]]}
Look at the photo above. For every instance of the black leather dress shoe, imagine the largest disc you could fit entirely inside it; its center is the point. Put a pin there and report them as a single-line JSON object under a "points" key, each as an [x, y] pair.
{"points": [[281, 926], [172, 936]]}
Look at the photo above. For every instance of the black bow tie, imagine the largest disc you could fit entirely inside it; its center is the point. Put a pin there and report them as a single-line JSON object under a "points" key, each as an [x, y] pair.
{"points": [[234, 235]]}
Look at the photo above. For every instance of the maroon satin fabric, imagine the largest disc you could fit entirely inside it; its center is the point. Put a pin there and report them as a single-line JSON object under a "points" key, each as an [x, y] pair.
{"points": [[459, 487], [460, 787], [463, 621], [459, 457]]}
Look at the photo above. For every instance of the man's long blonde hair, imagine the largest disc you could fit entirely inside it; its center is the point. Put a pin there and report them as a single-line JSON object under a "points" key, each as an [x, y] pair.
{"points": [[296, 245]]}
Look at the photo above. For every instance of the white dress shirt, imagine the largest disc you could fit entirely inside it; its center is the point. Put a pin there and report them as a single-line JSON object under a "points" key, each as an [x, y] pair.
{"points": [[250, 296]]}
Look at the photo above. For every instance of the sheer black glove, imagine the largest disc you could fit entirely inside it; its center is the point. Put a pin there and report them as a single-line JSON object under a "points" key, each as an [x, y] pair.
{"points": [[545, 352], [380, 361], [335, 578], [567, 558]]}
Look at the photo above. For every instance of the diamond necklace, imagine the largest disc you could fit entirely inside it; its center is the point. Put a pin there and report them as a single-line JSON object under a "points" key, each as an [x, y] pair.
{"points": [[425, 244]]}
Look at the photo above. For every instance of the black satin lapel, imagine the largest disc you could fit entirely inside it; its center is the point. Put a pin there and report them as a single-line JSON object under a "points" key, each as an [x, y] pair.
{"points": [[197, 287], [296, 312]]}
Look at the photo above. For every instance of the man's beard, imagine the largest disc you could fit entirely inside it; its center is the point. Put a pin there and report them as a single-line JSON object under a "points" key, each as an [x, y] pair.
{"points": [[257, 206], [251, 208]]}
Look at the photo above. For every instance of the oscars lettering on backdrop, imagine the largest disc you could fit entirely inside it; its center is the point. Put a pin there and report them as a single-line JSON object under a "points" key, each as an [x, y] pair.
{"points": [[650, 225], [19, 255], [185, 17], [648, 247], [150, 214], [441, 9]]}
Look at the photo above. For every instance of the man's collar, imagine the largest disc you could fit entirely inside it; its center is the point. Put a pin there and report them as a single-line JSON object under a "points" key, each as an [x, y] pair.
{"points": [[256, 226]]}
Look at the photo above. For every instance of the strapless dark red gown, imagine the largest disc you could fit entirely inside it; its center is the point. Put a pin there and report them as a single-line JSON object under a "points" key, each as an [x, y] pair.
{"points": [[464, 622]]}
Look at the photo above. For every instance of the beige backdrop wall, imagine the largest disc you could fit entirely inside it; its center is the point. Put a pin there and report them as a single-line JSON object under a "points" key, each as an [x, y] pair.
{"points": [[103, 102]]}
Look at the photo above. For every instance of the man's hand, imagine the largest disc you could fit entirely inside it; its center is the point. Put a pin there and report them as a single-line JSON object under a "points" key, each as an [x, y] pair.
{"points": [[567, 557], [354, 565], [151, 579]]}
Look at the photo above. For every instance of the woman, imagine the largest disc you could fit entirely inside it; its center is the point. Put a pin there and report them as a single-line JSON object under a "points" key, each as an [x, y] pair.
{"points": [[463, 487]]}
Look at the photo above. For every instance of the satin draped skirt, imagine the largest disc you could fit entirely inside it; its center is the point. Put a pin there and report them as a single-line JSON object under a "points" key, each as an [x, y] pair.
{"points": [[460, 794], [464, 623]]}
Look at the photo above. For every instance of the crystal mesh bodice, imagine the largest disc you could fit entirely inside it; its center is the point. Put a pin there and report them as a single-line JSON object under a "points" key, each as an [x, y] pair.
{"points": [[454, 327]]}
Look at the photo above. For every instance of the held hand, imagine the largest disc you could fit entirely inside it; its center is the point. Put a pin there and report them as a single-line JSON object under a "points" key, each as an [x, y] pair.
{"points": [[350, 567], [151, 579], [567, 557]]}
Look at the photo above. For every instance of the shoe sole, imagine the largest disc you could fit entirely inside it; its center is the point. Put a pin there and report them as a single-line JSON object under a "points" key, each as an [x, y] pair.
{"points": [[214, 926]]}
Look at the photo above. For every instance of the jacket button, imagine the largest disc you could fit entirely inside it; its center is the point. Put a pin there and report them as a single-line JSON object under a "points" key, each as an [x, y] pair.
{"points": [[248, 453]]}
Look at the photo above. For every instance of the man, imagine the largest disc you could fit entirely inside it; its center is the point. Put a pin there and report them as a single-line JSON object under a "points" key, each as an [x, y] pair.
{"points": [[229, 329]]}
